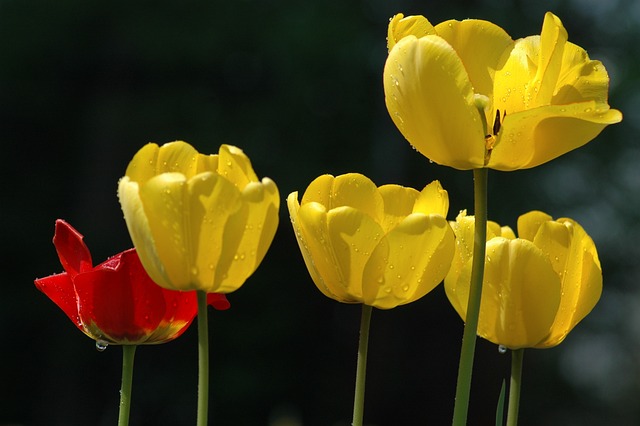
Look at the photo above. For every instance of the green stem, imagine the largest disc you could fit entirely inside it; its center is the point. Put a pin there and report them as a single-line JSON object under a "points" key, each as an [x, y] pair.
{"points": [[203, 360], [361, 369], [465, 369], [128, 355], [514, 386]]}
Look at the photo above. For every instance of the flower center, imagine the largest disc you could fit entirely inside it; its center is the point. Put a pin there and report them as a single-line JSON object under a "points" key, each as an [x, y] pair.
{"points": [[490, 139]]}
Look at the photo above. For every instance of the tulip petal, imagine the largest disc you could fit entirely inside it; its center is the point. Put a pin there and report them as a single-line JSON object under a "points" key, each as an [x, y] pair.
{"points": [[59, 288], [331, 279], [575, 259], [150, 160], [399, 202], [72, 251], [248, 234], [529, 223], [520, 295], [351, 189], [235, 166], [400, 27], [208, 206], [409, 262], [353, 236], [553, 39], [433, 199], [140, 230], [294, 206], [533, 137], [431, 100], [581, 79], [480, 45]]}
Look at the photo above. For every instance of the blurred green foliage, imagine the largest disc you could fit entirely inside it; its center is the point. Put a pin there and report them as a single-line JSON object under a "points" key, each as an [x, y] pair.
{"points": [[297, 85]]}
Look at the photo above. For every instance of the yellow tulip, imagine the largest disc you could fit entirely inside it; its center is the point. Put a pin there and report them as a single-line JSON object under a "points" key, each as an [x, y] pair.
{"points": [[536, 287], [538, 97], [198, 222], [381, 246]]}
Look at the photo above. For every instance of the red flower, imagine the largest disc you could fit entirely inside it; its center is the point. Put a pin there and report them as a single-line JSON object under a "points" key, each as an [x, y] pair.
{"points": [[116, 302]]}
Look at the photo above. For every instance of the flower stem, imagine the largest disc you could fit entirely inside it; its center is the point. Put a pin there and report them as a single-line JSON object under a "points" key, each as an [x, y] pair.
{"points": [[128, 354], [361, 369], [465, 369], [515, 386], [203, 360]]}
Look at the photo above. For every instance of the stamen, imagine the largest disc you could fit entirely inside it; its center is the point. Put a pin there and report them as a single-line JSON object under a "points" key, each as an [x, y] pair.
{"points": [[496, 123]]}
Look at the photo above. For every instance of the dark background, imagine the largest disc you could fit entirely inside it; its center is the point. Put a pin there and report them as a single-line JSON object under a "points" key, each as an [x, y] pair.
{"points": [[297, 85]]}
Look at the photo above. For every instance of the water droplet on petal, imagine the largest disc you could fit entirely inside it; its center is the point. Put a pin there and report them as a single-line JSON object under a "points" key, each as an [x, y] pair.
{"points": [[502, 349], [101, 345]]}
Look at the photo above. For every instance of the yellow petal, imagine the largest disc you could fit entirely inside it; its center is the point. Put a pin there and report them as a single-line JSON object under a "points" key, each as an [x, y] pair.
{"points": [[431, 100], [140, 231], [533, 137], [581, 79], [480, 45], [409, 262], [530, 75], [294, 206], [552, 43], [312, 221], [165, 200], [247, 235], [172, 157], [529, 223], [506, 232], [433, 199], [353, 236], [351, 189], [575, 259], [398, 204], [463, 228], [235, 166], [212, 201], [400, 27], [520, 295]]}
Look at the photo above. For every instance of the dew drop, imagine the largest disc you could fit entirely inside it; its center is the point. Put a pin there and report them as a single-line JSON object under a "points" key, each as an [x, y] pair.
{"points": [[101, 345], [194, 271], [502, 349]]}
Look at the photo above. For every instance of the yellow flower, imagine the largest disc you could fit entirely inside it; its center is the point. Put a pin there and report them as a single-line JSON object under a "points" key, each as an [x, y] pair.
{"points": [[536, 288], [198, 222], [381, 246], [541, 96]]}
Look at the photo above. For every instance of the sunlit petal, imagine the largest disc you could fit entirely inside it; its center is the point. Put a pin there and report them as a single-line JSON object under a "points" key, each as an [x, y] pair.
{"points": [[400, 27], [431, 100], [481, 46], [399, 202], [520, 296], [433, 199], [580, 271], [409, 262]]}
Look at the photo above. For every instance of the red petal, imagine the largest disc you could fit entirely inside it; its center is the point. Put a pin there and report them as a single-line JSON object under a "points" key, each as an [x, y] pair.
{"points": [[122, 302], [73, 253], [59, 288], [218, 301]]}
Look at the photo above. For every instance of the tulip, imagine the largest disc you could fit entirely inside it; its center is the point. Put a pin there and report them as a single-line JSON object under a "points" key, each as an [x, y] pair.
{"points": [[536, 287], [116, 302], [199, 222], [381, 246], [465, 95]]}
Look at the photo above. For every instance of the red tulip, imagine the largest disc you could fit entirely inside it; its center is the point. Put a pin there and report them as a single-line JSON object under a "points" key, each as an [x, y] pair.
{"points": [[116, 302]]}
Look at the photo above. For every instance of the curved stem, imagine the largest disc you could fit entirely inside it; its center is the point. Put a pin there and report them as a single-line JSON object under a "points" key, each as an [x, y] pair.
{"points": [[515, 386], [361, 369], [128, 354], [203, 360], [465, 369]]}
